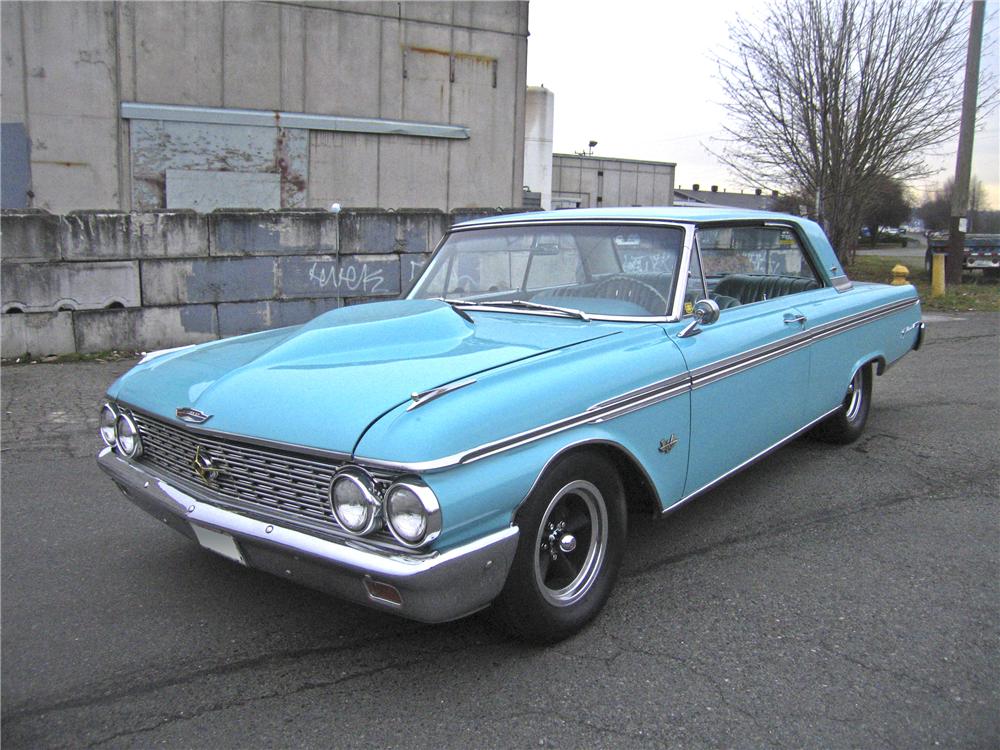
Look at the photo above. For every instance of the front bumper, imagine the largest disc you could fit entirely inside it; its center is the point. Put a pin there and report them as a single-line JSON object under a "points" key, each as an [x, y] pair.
{"points": [[433, 588]]}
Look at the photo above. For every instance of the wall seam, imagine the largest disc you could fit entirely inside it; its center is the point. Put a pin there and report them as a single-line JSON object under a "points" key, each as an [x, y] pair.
{"points": [[378, 139], [514, 187], [27, 117], [281, 57], [123, 203], [222, 58], [451, 109]]}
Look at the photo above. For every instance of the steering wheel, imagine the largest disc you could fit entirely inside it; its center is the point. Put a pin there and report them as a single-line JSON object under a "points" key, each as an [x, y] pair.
{"points": [[632, 290]]}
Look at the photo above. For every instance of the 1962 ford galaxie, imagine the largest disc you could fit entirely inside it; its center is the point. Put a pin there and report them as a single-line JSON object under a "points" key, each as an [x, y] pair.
{"points": [[482, 441]]}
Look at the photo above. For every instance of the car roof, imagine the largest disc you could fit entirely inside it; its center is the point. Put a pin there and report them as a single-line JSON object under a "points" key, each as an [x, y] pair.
{"points": [[684, 214]]}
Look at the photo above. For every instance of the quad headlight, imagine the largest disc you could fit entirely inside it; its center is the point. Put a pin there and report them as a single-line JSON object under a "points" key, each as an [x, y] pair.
{"points": [[127, 437], [413, 513], [352, 497], [107, 424]]}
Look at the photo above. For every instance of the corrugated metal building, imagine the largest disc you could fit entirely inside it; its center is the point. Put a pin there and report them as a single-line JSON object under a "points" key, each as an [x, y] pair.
{"points": [[147, 105]]}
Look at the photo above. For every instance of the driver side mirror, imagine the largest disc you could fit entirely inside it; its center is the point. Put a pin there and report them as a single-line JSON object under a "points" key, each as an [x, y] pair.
{"points": [[706, 312]]}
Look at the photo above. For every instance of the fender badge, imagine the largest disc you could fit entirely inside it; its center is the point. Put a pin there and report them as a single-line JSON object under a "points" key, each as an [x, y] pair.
{"points": [[192, 415], [668, 444]]}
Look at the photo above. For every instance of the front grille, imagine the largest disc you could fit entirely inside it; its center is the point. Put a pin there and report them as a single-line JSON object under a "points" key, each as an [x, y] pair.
{"points": [[269, 482]]}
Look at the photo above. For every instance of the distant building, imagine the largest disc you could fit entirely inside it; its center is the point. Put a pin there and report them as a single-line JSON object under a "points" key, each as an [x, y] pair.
{"points": [[580, 181], [759, 200], [148, 105], [594, 181]]}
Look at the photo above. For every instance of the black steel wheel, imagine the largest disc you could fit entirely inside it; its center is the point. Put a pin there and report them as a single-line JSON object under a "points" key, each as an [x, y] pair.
{"points": [[572, 534]]}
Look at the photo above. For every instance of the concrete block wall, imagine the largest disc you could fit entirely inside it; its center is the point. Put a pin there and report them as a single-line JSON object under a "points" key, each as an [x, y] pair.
{"points": [[101, 280]]}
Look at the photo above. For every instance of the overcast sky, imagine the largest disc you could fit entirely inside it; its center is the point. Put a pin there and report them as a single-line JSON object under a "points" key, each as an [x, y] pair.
{"points": [[638, 77]]}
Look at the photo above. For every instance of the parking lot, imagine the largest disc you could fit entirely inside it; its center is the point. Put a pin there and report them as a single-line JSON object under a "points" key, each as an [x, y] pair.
{"points": [[827, 597]]}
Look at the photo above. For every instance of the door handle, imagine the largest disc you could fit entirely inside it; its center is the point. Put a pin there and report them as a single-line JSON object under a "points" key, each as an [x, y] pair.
{"points": [[794, 318]]}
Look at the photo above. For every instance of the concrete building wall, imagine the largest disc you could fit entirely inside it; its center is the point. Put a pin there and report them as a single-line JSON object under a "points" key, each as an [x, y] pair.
{"points": [[538, 135], [68, 67], [592, 181], [101, 280]]}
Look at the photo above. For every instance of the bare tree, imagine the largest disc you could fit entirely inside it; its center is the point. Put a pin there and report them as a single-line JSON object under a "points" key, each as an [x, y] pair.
{"points": [[828, 97]]}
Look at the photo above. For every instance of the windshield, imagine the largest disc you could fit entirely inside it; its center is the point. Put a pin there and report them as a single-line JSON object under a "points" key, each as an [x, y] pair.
{"points": [[600, 270]]}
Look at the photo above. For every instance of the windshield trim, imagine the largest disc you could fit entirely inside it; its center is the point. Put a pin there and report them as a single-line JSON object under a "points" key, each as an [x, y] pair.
{"points": [[677, 306]]}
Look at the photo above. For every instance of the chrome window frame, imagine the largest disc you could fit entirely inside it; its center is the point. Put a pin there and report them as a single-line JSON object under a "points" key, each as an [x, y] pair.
{"points": [[677, 303]]}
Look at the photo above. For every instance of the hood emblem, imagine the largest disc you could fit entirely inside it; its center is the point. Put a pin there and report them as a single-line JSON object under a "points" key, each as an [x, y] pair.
{"points": [[422, 397], [205, 467], [192, 415]]}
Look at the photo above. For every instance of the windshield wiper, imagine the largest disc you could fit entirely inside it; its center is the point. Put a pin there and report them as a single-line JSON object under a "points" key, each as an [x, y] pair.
{"points": [[454, 304], [572, 312]]}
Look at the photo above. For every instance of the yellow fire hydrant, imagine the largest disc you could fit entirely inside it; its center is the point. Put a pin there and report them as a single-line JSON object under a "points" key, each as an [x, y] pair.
{"points": [[937, 274], [899, 273]]}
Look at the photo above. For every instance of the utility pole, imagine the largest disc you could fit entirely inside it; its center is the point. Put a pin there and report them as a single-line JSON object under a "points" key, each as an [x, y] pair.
{"points": [[963, 164]]}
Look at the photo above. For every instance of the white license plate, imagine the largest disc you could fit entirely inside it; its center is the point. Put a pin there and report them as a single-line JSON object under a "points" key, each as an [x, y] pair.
{"points": [[221, 544]]}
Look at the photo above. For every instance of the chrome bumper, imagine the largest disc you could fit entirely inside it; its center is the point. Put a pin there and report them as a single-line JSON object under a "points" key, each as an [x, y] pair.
{"points": [[436, 588]]}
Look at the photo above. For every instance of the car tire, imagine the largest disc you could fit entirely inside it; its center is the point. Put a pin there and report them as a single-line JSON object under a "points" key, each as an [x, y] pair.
{"points": [[848, 422], [570, 547]]}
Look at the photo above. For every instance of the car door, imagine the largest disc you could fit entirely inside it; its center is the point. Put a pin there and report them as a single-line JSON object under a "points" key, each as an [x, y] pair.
{"points": [[750, 369]]}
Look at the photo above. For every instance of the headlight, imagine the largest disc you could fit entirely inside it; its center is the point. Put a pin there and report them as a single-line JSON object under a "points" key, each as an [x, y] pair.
{"points": [[413, 513], [352, 496], [108, 418], [127, 436]]}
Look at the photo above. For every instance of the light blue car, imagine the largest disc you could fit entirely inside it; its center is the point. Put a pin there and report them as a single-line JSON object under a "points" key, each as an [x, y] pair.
{"points": [[484, 440]]}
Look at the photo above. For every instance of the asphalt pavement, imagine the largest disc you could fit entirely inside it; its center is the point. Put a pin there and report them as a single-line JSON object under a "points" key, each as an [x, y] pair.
{"points": [[827, 597]]}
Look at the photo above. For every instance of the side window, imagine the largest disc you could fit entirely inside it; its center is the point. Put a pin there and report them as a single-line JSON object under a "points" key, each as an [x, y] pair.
{"points": [[748, 264]]}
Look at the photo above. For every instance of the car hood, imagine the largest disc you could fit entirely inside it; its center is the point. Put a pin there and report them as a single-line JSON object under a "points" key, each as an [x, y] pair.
{"points": [[322, 384]]}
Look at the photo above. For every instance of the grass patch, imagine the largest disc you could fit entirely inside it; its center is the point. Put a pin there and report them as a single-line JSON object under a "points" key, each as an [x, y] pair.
{"points": [[976, 292]]}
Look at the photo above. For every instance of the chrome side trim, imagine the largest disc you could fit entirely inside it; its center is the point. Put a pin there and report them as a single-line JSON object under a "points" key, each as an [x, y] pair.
{"points": [[710, 373], [425, 397], [638, 399], [714, 371], [641, 397], [647, 395], [749, 461]]}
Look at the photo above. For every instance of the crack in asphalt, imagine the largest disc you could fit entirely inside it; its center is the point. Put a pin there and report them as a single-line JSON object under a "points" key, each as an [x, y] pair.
{"points": [[225, 705], [774, 530], [234, 667], [109, 697], [898, 674], [711, 680]]}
